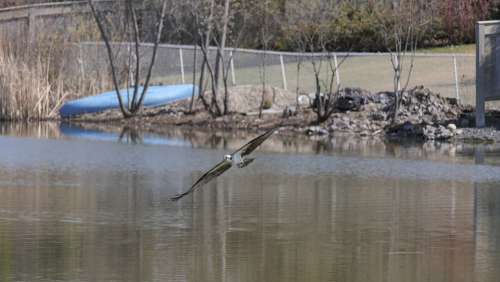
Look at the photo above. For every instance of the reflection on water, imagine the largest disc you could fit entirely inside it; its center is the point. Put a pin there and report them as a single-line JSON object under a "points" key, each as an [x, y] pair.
{"points": [[77, 210], [126, 135]]}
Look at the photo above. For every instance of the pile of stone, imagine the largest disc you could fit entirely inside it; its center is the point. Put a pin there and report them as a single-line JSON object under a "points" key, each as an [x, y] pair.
{"points": [[422, 114], [424, 131], [420, 105]]}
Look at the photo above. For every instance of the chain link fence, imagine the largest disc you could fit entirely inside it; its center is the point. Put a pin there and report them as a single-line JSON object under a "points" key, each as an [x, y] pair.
{"points": [[451, 75]]}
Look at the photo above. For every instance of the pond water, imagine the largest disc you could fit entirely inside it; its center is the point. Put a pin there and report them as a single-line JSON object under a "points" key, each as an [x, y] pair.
{"points": [[93, 205]]}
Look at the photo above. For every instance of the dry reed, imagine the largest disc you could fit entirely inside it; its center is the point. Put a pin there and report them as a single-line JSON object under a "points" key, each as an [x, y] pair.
{"points": [[38, 76]]}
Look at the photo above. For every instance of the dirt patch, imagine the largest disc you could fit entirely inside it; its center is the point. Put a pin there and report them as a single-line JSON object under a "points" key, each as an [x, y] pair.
{"points": [[247, 99]]}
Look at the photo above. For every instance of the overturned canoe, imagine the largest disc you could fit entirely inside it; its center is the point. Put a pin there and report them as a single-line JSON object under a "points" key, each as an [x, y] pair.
{"points": [[155, 96]]}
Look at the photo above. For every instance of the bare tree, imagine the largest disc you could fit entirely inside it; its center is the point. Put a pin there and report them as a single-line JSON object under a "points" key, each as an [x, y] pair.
{"points": [[133, 106], [297, 88], [401, 36], [214, 25], [265, 37], [310, 31], [202, 14], [191, 104]]}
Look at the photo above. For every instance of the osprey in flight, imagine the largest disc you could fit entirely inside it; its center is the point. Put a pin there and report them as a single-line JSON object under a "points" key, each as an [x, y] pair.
{"points": [[239, 157]]}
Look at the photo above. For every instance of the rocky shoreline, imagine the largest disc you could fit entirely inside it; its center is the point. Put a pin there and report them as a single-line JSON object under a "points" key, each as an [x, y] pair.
{"points": [[423, 116]]}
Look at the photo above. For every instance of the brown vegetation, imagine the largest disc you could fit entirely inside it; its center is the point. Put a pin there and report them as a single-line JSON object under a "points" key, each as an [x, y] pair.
{"points": [[38, 74]]}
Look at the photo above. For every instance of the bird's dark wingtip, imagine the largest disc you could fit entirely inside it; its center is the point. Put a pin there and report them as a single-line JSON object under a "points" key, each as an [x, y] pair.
{"points": [[176, 197]]}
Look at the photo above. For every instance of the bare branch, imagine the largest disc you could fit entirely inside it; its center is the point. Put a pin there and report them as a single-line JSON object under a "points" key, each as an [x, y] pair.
{"points": [[153, 57], [105, 38], [137, 54]]}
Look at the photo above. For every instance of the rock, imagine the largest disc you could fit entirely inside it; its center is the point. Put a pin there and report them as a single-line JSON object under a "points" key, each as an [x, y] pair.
{"points": [[316, 130], [427, 119], [405, 130], [348, 103], [429, 132], [341, 124], [408, 126], [351, 99], [304, 101], [437, 133], [289, 111], [384, 98], [378, 116], [370, 107], [364, 133], [419, 114]]}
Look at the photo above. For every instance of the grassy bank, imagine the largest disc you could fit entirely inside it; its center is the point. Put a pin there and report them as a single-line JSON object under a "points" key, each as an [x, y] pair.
{"points": [[458, 49]]}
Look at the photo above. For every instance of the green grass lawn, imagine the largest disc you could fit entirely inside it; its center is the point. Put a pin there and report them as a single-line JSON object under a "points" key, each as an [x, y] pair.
{"points": [[459, 49], [369, 72]]}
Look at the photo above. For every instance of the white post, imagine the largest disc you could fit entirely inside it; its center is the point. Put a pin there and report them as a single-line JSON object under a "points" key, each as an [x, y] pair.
{"points": [[283, 74], [457, 89], [233, 77], [181, 59], [337, 72]]}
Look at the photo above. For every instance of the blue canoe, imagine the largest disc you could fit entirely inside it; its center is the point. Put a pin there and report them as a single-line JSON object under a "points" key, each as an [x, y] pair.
{"points": [[155, 96]]}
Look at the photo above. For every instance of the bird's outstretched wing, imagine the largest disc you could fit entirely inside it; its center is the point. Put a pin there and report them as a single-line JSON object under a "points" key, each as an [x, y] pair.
{"points": [[217, 170], [254, 143]]}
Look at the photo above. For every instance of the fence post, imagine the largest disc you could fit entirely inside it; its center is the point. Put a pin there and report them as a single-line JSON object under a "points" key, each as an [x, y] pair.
{"points": [[457, 89], [337, 72], [233, 77], [283, 73], [181, 59], [31, 21]]}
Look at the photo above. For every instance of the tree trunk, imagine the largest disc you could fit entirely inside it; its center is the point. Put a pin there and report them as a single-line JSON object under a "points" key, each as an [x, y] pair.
{"points": [[205, 46], [222, 45], [153, 57], [125, 111], [194, 78], [137, 55]]}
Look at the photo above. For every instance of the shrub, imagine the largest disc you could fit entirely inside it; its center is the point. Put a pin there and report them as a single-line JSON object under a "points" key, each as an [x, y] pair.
{"points": [[357, 29], [267, 104]]}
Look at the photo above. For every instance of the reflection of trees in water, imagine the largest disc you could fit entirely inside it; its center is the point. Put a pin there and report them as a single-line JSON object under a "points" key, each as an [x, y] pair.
{"points": [[487, 231], [331, 229], [31, 129], [269, 227], [130, 136], [247, 227], [291, 143], [296, 143], [90, 232]]}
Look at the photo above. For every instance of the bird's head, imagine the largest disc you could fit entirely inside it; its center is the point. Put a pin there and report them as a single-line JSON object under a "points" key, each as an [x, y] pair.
{"points": [[228, 157]]}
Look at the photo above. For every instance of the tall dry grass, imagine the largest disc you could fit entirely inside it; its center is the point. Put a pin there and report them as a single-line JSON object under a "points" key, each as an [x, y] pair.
{"points": [[38, 75], [26, 89]]}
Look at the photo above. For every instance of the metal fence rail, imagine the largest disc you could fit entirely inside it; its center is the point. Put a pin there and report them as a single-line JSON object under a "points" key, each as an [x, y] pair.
{"points": [[452, 75]]}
